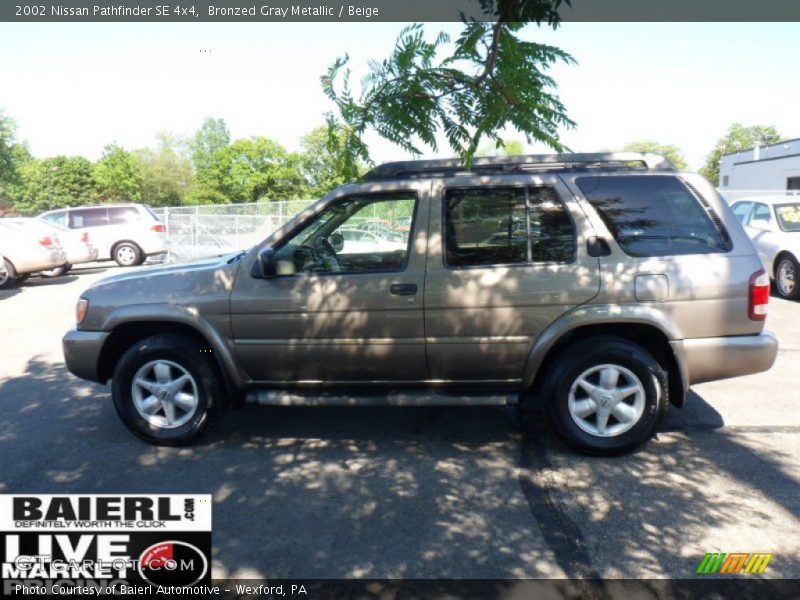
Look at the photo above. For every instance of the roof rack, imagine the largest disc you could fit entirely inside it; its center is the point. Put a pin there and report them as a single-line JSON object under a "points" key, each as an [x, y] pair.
{"points": [[450, 167]]}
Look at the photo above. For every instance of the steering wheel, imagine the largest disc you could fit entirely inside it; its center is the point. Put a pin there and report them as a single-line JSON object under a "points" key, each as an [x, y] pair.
{"points": [[327, 254]]}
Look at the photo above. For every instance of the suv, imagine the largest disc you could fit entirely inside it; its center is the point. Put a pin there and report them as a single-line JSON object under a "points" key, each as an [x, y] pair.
{"points": [[602, 285], [126, 233]]}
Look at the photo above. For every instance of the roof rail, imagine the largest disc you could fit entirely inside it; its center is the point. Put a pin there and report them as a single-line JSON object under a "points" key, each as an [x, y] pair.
{"points": [[449, 167]]}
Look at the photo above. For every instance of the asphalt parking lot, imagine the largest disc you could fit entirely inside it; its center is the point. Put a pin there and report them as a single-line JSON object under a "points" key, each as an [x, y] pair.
{"points": [[421, 493]]}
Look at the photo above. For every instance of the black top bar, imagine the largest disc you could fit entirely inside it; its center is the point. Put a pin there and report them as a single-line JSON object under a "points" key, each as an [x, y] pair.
{"points": [[449, 167]]}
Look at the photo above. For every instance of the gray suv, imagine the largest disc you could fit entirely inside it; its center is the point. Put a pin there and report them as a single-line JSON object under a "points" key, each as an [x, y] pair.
{"points": [[602, 285]]}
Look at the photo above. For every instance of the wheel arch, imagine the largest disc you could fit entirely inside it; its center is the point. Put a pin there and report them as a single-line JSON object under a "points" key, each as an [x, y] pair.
{"points": [[124, 332], [638, 327]]}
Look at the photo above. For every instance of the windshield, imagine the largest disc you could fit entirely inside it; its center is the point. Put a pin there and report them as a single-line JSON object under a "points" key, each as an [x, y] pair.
{"points": [[788, 216]]}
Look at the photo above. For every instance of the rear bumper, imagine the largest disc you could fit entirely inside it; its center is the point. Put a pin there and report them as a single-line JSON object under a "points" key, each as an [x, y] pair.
{"points": [[82, 353], [709, 359]]}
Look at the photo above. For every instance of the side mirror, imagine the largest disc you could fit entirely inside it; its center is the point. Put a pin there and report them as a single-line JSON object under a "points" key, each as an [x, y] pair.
{"points": [[337, 241], [266, 267], [761, 224]]}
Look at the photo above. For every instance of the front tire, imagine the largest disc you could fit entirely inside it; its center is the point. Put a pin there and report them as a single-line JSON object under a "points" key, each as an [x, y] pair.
{"points": [[167, 391], [128, 254], [8, 275], [606, 396], [787, 272]]}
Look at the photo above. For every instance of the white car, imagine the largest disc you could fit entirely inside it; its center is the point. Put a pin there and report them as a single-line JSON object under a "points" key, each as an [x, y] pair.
{"points": [[76, 244], [26, 251], [774, 226], [126, 233]]}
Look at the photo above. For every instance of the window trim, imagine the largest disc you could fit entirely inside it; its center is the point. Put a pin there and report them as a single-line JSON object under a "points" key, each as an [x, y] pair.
{"points": [[302, 225], [529, 262]]}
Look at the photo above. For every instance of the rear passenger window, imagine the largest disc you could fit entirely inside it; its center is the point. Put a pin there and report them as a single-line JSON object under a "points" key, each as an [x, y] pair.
{"points": [[741, 210], [88, 217], [654, 215], [123, 214], [762, 213], [506, 226]]}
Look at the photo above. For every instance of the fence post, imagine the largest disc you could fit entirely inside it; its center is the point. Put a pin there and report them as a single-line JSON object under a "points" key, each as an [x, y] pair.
{"points": [[166, 221]]}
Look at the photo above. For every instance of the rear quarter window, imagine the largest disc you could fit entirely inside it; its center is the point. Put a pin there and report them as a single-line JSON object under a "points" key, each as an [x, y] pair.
{"points": [[121, 215], [88, 217], [653, 215]]}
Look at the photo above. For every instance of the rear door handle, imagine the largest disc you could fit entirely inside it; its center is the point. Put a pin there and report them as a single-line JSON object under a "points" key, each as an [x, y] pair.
{"points": [[403, 289]]}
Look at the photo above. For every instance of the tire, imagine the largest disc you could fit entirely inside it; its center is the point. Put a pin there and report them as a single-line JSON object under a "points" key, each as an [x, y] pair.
{"points": [[57, 272], [127, 254], [605, 365], [787, 277], [8, 275], [196, 404]]}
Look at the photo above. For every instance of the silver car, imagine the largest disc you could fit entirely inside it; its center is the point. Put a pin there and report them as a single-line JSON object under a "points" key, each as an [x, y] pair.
{"points": [[76, 244], [773, 225], [26, 251]]}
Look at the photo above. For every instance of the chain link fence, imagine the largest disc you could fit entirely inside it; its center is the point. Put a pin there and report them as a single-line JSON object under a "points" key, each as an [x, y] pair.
{"points": [[198, 231]]}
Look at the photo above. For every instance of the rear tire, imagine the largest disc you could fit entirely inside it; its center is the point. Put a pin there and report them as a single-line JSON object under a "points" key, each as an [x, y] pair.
{"points": [[605, 396], [167, 391], [8, 275], [787, 272], [57, 272], [127, 254]]}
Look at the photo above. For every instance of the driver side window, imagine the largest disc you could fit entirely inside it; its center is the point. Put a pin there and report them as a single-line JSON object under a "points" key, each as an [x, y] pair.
{"points": [[358, 234]]}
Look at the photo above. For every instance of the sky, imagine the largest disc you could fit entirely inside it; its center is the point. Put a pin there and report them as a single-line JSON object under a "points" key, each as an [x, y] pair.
{"points": [[74, 88]]}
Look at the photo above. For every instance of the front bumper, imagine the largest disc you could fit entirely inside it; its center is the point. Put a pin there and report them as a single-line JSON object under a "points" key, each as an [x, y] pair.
{"points": [[709, 359], [82, 353]]}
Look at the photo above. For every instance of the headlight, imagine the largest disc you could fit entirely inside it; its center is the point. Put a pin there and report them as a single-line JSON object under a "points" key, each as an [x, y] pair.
{"points": [[80, 310]]}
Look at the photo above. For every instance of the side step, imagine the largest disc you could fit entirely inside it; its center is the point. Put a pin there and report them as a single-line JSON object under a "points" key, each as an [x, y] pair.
{"points": [[394, 398]]}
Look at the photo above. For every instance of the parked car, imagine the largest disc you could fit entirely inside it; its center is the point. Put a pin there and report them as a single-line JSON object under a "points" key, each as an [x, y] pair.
{"points": [[633, 282], [27, 250], [76, 244], [774, 226], [125, 233]]}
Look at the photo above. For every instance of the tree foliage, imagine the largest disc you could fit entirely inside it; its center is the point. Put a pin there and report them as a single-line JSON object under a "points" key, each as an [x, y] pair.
{"points": [[118, 175], [738, 137], [167, 173], [55, 183], [322, 161], [490, 80], [672, 153]]}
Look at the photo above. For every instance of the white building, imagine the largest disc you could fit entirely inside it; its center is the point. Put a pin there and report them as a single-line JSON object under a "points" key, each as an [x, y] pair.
{"points": [[773, 167]]}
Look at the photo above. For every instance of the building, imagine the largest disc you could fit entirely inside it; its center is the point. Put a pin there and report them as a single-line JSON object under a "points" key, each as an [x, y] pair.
{"points": [[773, 167]]}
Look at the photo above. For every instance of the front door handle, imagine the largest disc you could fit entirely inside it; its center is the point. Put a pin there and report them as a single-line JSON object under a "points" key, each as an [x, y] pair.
{"points": [[403, 289]]}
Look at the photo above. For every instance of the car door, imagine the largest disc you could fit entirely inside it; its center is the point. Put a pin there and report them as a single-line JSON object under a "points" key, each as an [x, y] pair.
{"points": [[333, 315], [761, 228], [507, 257], [95, 221]]}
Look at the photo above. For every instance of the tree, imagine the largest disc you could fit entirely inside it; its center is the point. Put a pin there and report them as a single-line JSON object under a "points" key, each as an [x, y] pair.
{"points": [[55, 183], [212, 137], [672, 153], [507, 148], [118, 175], [259, 168], [166, 172], [737, 138], [492, 79], [322, 161], [8, 133]]}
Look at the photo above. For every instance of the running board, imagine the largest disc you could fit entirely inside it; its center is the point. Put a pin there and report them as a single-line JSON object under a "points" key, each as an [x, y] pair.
{"points": [[396, 398]]}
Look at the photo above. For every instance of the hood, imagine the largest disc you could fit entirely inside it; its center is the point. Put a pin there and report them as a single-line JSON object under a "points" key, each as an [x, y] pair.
{"points": [[178, 268]]}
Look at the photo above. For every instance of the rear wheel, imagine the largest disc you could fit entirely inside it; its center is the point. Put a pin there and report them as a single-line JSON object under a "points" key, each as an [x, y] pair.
{"points": [[128, 254], [168, 392], [57, 272], [8, 274], [606, 396], [786, 273]]}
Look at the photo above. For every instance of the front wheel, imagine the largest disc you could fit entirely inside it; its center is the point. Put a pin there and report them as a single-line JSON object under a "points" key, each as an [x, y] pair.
{"points": [[606, 396], [167, 390], [786, 274]]}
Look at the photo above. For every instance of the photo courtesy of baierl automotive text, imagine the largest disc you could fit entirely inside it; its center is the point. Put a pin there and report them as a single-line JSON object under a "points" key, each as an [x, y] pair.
{"points": [[458, 299]]}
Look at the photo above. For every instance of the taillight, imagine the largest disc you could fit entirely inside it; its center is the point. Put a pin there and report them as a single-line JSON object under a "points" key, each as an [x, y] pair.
{"points": [[46, 241], [85, 237], [158, 228], [758, 296]]}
